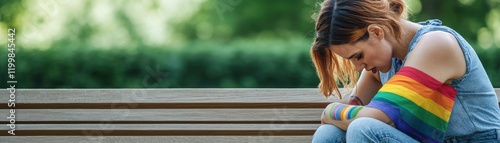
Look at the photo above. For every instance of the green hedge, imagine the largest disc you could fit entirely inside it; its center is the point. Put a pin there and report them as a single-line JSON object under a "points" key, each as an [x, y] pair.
{"points": [[260, 63], [490, 59], [242, 63]]}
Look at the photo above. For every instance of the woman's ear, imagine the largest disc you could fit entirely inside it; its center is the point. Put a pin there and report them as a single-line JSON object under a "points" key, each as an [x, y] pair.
{"points": [[376, 31]]}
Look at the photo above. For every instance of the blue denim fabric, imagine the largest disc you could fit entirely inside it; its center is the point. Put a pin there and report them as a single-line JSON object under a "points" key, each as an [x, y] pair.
{"points": [[328, 133], [476, 105], [362, 130], [490, 136]]}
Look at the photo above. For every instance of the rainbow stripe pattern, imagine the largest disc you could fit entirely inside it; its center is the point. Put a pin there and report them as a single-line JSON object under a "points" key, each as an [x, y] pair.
{"points": [[419, 105], [341, 112]]}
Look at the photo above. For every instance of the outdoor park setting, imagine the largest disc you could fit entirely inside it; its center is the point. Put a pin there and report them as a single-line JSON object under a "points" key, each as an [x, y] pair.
{"points": [[183, 70]]}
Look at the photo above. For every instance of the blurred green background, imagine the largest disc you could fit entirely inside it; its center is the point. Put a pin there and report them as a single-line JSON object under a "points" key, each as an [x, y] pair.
{"points": [[195, 43]]}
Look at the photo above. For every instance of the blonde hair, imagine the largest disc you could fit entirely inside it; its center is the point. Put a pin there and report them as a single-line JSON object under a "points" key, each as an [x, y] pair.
{"points": [[345, 21]]}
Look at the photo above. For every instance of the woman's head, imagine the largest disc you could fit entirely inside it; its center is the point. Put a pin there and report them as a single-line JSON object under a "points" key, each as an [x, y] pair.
{"points": [[355, 29]]}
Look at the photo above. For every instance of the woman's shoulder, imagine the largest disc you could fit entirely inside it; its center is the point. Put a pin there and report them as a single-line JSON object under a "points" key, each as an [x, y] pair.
{"points": [[438, 54]]}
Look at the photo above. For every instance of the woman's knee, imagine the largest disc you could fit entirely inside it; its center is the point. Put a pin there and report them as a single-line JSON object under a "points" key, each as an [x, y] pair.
{"points": [[364, 126], [373, 130], [328, 133]]}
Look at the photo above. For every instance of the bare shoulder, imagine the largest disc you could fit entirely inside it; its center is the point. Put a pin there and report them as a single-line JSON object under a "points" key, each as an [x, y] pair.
{"points": [[438, 54]]}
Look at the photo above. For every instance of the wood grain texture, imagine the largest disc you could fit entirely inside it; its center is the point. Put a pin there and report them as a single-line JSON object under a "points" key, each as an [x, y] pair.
{"points": [[166, 132], [180, 127], [168, 95], [180, 95], [155, 139], [165, 115], [270, 121], [194, 105], [162, 130]]}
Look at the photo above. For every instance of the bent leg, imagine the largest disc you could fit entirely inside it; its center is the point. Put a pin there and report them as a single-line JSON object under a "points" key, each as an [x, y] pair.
{"points": [[373, 130], [328, 133]]}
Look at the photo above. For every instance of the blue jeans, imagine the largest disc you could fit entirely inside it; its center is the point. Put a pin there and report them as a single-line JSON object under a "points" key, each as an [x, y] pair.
{"points": [[361, 130], [373, 130], [489, 136]]}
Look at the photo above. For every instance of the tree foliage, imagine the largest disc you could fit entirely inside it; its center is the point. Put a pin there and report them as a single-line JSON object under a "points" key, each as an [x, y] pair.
{"points": [[224, 43]]}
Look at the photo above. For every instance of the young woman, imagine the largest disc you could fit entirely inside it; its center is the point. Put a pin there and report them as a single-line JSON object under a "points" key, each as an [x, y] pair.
{"points": [[422, 81]]}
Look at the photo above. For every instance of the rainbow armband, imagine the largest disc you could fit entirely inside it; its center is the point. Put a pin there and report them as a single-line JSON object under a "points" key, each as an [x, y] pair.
{"points": [[419, 105]]}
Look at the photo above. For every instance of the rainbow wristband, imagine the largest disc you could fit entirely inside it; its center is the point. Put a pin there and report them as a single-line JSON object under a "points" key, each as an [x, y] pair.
{"points": [[341, 112]]}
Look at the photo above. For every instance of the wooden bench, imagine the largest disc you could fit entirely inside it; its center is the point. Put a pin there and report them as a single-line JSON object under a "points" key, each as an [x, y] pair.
{"points": [[164, 115]]}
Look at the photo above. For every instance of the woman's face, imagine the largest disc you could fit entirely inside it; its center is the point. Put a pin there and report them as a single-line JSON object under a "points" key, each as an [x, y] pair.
{"points": [[373, 54]]}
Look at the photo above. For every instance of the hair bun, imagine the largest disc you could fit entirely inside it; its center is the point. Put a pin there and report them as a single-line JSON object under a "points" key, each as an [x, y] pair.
{"points": [[398, 7]]}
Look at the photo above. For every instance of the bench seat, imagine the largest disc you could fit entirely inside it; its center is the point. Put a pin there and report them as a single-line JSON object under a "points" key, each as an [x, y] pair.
{"points": [[165, 115]]}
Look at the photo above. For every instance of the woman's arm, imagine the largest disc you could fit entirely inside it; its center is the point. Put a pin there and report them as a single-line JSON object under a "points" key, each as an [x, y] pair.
{"points": [[439, 55], [367, 86], [341, 115], [369, 83]]}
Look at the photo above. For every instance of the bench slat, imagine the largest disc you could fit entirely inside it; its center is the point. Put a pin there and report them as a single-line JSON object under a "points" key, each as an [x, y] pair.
{"points": [[278, 115], [156, 139], [143, 127], [192, 105], [163, 129], [317, 121], [217, 95], [166, 132], [259, 95]]}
